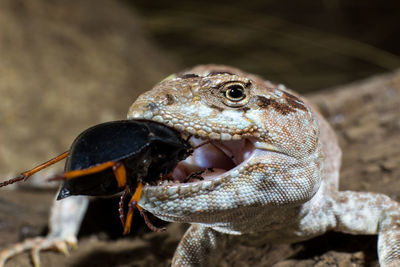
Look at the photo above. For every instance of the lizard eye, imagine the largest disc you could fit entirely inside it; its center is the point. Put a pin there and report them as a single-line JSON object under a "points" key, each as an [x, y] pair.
{"points": [[234, 92]]}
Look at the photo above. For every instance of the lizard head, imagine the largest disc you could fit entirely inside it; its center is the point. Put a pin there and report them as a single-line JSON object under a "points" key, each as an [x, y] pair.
{"points": [[258, 144]]}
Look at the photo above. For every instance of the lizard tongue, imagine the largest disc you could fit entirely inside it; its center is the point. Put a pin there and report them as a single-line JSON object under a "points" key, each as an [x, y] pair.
{"points": [[205, 157], [212, 159]]}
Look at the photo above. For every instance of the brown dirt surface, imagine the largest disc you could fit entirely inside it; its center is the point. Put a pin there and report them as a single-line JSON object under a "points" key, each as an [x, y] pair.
{"points": [[47, 45]]}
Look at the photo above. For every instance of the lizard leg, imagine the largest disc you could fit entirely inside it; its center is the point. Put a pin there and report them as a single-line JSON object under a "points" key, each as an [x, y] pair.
{"points": [[370, 213], [199, 247], [65, 220]]}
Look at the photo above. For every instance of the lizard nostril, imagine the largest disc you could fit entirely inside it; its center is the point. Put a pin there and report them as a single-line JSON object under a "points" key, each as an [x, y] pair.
{"points": [[152, 106], [169, 99]]}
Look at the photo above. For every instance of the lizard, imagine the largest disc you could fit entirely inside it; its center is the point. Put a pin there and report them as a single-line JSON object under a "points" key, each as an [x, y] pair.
{"points": [[269, 171]]}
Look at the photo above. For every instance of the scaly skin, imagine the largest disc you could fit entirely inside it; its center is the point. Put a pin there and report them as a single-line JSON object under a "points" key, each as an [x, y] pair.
{"points": [[286, 190]]}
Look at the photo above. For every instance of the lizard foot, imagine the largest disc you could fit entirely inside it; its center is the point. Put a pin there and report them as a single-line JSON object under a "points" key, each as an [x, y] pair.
{"points": [[35, 245]]}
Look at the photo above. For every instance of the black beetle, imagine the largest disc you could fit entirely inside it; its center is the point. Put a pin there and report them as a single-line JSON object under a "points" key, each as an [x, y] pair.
{"points": [[118, 156], [145, 149]]}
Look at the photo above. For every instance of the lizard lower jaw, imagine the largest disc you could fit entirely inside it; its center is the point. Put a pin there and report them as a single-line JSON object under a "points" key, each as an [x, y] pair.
{"points": [[211, 161]]}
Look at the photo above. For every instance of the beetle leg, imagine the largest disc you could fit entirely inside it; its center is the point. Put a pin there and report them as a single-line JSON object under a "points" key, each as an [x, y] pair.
{"points": [[117, 167], [147, 221], [166, 177], [133, 203], [120, 173], [78, 173], [121, 206], [196, 175], [25, 175]]}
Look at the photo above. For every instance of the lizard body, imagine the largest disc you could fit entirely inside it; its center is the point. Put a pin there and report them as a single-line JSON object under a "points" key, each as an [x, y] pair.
{"points": [[275, 175]]}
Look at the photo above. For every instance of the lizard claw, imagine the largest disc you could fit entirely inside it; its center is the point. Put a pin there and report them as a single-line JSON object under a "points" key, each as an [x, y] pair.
{"points": [[35, 245]]}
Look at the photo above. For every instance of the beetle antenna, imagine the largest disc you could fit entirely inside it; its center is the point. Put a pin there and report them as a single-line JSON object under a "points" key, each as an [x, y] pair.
{"points": [[202, 144], [195, 147], [26, 174], [187, 138], [227, 151]]}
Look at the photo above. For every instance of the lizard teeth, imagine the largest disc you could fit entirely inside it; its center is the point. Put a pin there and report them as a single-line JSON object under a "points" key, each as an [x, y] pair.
{"points": [[173, 190], [226, 137]]}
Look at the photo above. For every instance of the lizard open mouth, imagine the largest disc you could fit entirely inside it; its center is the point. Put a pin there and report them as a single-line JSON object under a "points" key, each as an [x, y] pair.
{"points": [[209, 160]]}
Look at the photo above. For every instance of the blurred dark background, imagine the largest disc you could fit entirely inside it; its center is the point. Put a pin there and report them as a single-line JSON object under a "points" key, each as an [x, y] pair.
{"points": [[309, 45], [66, 65]]}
